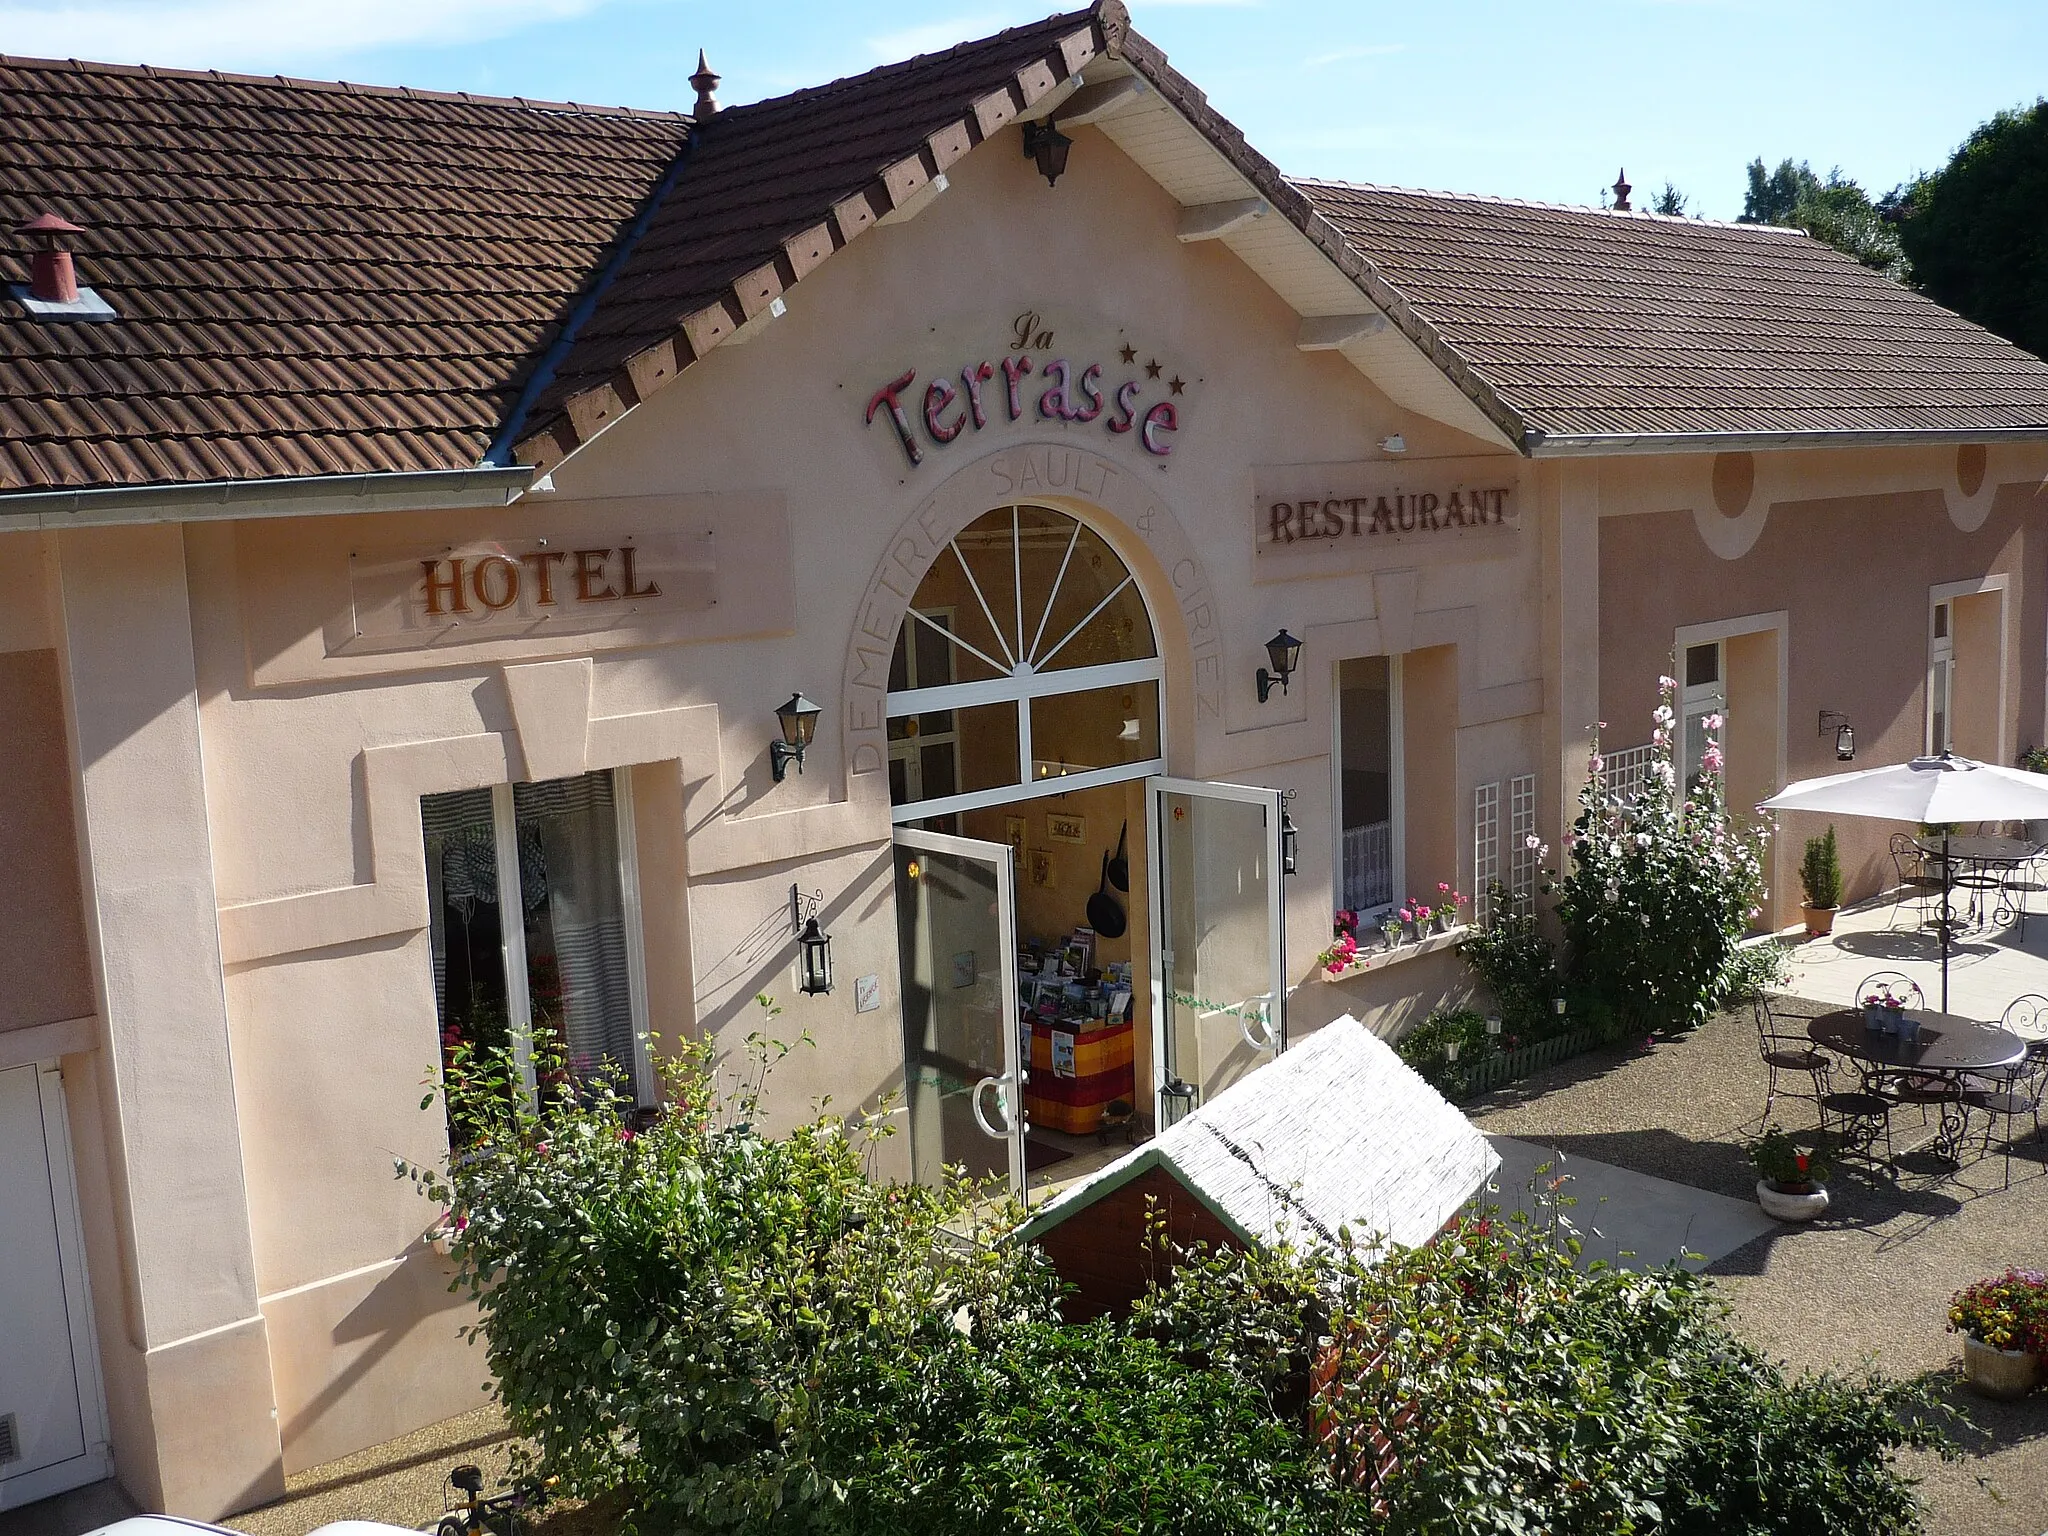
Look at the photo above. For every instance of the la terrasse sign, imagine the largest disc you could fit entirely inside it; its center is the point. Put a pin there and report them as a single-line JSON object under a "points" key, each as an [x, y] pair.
{"points": [[1301, 507], [1099, 380]]}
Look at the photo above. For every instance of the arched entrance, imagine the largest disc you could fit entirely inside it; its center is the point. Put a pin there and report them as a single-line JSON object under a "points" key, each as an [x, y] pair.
{"points": [[1065, 912]]}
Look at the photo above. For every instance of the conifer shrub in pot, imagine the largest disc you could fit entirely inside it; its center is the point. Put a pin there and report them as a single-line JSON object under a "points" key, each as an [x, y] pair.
{"points": [[1820, 872]]}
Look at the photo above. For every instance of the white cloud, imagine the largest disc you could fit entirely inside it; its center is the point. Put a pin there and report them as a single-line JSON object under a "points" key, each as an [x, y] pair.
{"points": [[261, 35]]}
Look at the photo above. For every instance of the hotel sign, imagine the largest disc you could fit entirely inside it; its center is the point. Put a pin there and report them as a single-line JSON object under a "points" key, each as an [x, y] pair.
{"points": [[1305, 509], [501, 588]]}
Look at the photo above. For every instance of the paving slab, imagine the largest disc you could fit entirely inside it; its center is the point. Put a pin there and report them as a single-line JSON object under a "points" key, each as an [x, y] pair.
{"points": [[1627, 1219]]}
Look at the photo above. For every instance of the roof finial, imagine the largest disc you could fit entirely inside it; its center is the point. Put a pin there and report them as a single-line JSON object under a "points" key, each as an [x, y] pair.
{"points": [[1621, 191], [706, 81]]}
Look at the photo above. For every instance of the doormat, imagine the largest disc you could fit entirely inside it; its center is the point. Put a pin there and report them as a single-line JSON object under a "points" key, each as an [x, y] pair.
{"points": [[1042, 1154]]}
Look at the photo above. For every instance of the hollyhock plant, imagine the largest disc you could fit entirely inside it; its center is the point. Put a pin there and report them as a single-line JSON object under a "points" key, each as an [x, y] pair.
{"points": [[1660, 887]]}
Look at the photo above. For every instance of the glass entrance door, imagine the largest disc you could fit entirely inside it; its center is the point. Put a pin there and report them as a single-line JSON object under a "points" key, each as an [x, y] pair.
{"points": [[1218, 972], [957, 936]]}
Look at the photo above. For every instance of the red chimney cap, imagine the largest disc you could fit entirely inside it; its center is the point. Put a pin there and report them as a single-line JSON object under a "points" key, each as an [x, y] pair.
{"points": [[48, 224]]}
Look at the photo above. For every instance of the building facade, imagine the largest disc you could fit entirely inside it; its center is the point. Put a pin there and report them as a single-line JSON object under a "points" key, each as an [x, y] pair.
{"points": [[398, 666]]}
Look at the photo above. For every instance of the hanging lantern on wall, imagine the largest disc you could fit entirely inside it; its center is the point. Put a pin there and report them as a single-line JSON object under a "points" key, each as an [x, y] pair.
{"points": [[1284, 651], [815, 960], [1290, 836]]}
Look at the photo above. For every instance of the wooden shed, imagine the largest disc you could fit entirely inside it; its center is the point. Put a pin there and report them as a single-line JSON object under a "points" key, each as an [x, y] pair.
{"points": [[1337, 1132]]}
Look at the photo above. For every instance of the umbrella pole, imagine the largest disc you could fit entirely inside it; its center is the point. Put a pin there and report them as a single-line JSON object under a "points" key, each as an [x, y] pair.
{"points": [[1947, 877]]}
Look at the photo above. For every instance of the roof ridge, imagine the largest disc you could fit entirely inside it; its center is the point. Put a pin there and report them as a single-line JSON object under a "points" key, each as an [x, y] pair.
{"points": [[1532, 202], [917, 60], [342, 87]]}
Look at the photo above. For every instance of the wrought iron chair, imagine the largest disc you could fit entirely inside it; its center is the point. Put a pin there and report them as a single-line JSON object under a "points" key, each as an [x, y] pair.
{"points": [[1787, 1053], [1921, 1088], [2020, 1094], [1898, 983], [1916, 875]]}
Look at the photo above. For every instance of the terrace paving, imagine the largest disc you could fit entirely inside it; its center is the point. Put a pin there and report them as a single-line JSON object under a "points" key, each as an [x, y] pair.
{"points": [[1870, 1280]]}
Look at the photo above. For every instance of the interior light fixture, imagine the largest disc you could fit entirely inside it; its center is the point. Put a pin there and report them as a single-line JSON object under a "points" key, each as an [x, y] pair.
{"points": [[1046, 147], [1845, 734], [799, 721], [1284, 651]]}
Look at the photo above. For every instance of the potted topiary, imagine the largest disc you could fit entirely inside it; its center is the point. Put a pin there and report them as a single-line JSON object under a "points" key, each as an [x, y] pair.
{"points": [[1791, 1185], [2004, 1324], [1821, 873]]}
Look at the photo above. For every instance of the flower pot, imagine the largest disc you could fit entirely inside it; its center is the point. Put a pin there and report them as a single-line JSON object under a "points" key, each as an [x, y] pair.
{"points": [[1788, 1206], [2005, 1374], [1820, 921], [1443, 922]]}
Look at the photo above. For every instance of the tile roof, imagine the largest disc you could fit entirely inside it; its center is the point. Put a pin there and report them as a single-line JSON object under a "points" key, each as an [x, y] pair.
{"points": [[1582, 323], [311, 279], [769, 190]]}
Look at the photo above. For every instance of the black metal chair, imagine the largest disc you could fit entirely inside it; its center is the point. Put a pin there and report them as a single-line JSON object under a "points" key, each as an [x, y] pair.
{"points": [[1787, 1053], [1898, 983], [2019, 1095], [1916, 880]]}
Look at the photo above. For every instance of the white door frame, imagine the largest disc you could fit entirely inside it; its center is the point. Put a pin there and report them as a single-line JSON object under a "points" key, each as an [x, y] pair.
{"points": [[1009, 1087], [1276, 915], [96, 1461]]}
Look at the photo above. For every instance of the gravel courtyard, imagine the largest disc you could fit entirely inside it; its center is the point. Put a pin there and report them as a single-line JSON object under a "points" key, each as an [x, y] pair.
{"points": [[1870, 1279]]}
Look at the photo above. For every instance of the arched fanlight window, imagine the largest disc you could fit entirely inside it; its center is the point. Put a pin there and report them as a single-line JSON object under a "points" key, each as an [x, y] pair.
{"points": [[1027, 657]]}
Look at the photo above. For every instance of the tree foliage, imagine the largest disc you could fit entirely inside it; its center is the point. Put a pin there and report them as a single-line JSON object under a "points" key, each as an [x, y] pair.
{"points": [[1836, 212], [1974, 229]]}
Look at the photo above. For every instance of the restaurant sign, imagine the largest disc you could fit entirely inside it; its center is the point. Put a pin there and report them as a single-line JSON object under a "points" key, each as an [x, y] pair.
{"points": [[977, 377], [1301, 508], [499, 588]]}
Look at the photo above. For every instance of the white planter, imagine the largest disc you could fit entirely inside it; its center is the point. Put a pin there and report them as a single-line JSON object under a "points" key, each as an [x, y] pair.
{"points": [[2006, 1374], [1791, 1207]]}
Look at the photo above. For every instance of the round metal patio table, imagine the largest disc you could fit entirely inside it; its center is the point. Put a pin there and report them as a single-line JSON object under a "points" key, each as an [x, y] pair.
{"points": [[1949, 1047]]}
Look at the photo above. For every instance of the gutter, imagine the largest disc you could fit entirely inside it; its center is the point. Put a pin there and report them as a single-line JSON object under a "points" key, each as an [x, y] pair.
{"points": [[1537, 444], [296, 496]]}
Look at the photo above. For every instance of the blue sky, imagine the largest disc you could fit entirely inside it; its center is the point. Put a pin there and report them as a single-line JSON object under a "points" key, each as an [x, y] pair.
{"points": [[1502, 96]]}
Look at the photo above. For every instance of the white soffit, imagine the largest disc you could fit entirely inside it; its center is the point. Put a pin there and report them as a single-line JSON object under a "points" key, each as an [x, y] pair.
{"points": [[1174, 153]]}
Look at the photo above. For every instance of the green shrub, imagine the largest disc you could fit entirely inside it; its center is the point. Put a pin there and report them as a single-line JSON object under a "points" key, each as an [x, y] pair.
{"points": [[1820, 872], [746, 1334], [1753, 969], [1514, 960], [1658, 894]]}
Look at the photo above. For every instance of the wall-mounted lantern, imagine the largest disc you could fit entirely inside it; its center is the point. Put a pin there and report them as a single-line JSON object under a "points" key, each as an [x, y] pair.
{"points": [[1845, 735], [1046, 147], [1285, 653], [799, 721], [813, 944], [1290, 835]]}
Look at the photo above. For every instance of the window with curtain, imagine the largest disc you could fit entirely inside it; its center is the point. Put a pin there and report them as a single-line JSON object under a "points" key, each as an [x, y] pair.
{"points": [[527, 911]]}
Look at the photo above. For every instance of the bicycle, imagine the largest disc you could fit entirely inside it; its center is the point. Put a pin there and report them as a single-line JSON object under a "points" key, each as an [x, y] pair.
{"points": [[502, 1514]]}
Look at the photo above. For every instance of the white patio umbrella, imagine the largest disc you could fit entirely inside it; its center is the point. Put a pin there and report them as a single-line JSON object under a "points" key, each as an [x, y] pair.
{"points": [[1943, 789]]}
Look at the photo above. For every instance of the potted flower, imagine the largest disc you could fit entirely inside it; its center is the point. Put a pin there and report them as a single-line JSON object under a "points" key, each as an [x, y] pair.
{"points": [[1416, 916], [2004, 1324], [1820, 871], [1448, 902], [1341, 956], [1791, 1185], [1883, 1011], [1390, 929]]}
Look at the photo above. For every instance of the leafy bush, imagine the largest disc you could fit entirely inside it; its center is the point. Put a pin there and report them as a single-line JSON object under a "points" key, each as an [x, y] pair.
{"points": [[1659, 893], [1427, 1047], [1820, 872], [1514, 960], [745, 1334], [1751, 971]]}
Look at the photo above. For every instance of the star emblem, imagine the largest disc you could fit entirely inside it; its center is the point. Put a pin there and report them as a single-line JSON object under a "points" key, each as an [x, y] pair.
{"points": [[1175, 384], [1152, 369], [1130, 353]]}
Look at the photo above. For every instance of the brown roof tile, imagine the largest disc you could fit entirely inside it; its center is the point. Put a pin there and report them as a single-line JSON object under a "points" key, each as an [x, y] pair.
{"points": [[1587, 324], [312, 279]]}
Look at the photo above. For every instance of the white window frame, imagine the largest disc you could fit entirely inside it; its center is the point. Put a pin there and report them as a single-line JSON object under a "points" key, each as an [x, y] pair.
{"points": [[1943, 652], [512, 935], [1022, 682], [1397, 790], [909, 751]]}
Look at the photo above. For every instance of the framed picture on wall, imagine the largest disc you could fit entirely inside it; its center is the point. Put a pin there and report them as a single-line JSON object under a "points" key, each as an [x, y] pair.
{"points": [[1062, 828], [1041, 867], [1013, 832]]}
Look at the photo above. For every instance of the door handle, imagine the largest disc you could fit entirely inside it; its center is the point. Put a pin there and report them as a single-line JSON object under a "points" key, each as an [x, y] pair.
{"points": [[1002, 1088], [1266, 1039]]}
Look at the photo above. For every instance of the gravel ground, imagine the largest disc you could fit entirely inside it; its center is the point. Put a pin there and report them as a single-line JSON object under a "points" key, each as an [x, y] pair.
{"points": [[1871, 1279]]}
